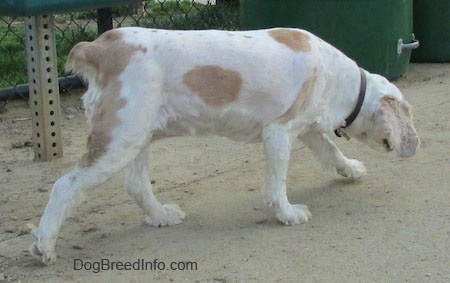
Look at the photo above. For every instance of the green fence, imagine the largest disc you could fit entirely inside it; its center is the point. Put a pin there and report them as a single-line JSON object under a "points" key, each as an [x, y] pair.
{"points": [[73, 27]]}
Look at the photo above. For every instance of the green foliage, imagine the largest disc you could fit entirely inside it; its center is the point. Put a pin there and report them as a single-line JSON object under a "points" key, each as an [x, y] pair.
{"points": [[117, 11], [13, 66], [185, 15]]}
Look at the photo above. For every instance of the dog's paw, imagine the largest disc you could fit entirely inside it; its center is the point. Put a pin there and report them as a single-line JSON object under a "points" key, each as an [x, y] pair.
{"points": [[45, 256], [294, 214], [168, 215], [38, 251], [352, 169]]}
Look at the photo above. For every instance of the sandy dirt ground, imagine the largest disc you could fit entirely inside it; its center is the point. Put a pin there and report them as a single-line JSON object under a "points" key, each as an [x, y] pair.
{"points": [[393, 225]]}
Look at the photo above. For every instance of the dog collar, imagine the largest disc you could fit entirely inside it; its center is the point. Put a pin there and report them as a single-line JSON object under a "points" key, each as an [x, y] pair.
{"points": [[362, 93]]}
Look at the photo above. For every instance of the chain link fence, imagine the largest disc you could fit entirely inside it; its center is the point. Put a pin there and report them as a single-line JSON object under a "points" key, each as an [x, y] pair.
{"points": [[73, 27]]}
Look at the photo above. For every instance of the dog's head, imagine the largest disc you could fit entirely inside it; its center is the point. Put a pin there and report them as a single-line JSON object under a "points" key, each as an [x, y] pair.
{"points": [[388, 124]]}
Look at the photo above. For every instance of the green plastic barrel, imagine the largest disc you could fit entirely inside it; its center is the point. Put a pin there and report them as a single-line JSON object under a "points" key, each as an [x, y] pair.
{"points": [[377, 34], [432, 26]]}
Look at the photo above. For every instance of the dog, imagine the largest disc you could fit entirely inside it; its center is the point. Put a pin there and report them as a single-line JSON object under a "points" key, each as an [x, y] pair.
{"points": [[271, 86]]}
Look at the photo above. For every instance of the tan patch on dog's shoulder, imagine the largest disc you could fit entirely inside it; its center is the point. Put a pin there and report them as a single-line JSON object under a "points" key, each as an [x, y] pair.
{"points": [[294, 39], [215, 85], [303, 95]]}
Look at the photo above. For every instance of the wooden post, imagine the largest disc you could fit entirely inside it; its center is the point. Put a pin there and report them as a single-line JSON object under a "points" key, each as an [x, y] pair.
{"points": [[44, 90]]}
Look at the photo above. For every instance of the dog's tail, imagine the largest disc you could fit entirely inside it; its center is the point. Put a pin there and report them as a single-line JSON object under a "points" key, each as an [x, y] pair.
{"points": [[90, 59], [83, 59], [103, 58]]}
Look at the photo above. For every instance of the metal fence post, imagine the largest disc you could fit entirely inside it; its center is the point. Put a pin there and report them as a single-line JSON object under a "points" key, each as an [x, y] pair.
{"points": [[43, 85], [104, 20]]}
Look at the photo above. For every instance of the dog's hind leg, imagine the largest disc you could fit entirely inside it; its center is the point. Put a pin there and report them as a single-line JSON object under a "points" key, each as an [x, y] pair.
{"points": [[277, 146], [138, 186], [329, 155], [94, 169]]}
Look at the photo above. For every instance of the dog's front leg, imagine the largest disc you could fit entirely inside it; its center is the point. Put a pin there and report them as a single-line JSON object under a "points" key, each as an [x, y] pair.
{"points": [[329, 155], [277, 146]]}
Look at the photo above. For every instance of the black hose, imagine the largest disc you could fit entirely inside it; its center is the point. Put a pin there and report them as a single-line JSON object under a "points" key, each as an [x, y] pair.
{"points": [[22, 91]]}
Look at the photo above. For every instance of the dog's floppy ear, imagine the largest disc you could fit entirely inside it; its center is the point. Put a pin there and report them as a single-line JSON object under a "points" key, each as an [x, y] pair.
{"points": [[397, 119]]}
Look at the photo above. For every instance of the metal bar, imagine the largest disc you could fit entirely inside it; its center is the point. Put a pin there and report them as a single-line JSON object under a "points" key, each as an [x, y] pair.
{"points": [[407, 46], [104, 20], [43, 85]]}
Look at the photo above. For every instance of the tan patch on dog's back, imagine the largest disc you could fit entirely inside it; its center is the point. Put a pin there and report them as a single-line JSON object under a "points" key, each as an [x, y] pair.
{"points": [[215, 85], [294, 39], [303, 95], [107, 56]]}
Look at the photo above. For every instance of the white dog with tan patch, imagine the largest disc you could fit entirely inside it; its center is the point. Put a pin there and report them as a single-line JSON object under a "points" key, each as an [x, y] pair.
{"points": [[269, 86]]}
